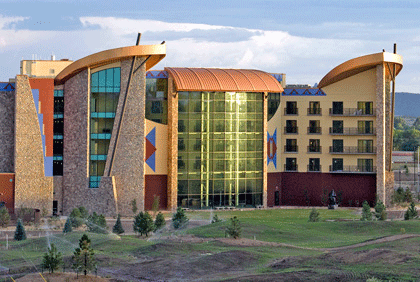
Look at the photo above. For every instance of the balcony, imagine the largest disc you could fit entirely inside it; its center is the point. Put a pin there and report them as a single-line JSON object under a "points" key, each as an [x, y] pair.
{"points": [[353, 169], [314, 149], [291, 111], [352, 131], [290, 148], [291, 167], [314, 130], [353, 112], [314, 168], [352, 150], [314, 112], [290, 130]]}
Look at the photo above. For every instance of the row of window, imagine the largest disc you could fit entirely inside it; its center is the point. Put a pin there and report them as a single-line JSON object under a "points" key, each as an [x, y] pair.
{"points": [[363, 128], [363, 109], [58, 129], [337, 165], [363, 147]]}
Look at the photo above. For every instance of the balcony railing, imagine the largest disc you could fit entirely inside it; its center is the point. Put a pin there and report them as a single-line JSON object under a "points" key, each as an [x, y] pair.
{"points": [[353, 169], [314, 130], [314, 149], [291, 167], [291, 111], [353, 112], [314, 168], [290, 130], [352, 131], [290, 148], [352, 150], [314, 112]]}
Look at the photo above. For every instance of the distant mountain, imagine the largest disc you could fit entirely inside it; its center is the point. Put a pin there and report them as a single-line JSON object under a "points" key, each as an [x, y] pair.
{"points": [[407, 104]]}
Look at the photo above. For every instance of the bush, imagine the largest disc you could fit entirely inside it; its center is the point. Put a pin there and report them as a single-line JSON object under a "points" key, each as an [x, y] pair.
{"points": [[52, 259], [67, 226], [118, 229], [76, 218], [20, 233], [314, 215], [234, 230], [159, 221], [179, 219], [401, 196], [366, 213], [143, 224], [83, 213], [380, 211], [215, 219], [4, 217], [83, 257], [411, 212], [96, 223]]}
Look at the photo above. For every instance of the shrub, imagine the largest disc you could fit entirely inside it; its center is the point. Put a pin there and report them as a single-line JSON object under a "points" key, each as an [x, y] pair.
{"points": [[411, 212], [143, 224], [366, 213], [234, 230], [314, 215], [20, 233], [76, 218], [4, 217], [215, 219], [179, 219], [159, 221], [83, 213], [84, 256], [400, 196], [96, 223], [67, 226], [118, 229], [52, 259], [380, 211]]}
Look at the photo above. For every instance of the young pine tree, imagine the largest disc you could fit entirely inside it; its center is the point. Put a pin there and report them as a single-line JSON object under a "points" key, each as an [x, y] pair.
{"points": [[179, 219], [143, 224], [234, 230], [159, 221], [84, 256], [20, 233], [4, 217], [366, 213], [52, 259], [380, 211], [314, 215], [76, 218], [67, 226], [118, 229], [411, 212]]}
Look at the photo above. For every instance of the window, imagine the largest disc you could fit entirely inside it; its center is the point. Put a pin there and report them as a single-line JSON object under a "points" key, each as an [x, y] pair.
{"points": [[337, 108], [314, 108], [337, 146], [291, 126], [365, 146], [291, 108], [57, 167], [58, 105], [58, 126], [291, 145], [365, 165], [365, 108], [273, 104], [314, 146], [290, 164], [365, 127], [314, 164], [314, 127], [58, 147], [337, 126], [337, 164]]}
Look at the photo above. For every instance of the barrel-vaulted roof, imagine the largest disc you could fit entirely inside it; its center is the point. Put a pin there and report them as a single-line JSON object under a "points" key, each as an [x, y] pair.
{"points": [[156, 53], [211, 79], [361, 64]]}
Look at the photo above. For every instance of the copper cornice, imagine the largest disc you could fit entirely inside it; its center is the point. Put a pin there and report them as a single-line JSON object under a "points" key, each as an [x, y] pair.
{"points": [[157, 53], [210, 79], [361, 64]]}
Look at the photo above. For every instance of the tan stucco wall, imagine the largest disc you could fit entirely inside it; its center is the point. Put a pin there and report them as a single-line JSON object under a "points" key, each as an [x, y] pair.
{"points": [[41, 68], [161, 154]]}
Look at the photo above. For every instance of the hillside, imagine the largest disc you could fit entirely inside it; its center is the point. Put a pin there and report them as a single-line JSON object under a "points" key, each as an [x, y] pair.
{"points": [[407, 104]]}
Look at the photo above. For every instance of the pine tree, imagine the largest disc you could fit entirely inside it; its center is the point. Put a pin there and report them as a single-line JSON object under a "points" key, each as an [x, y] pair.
{"points": [[179, 219], [67, 226], [143, 224], [96, 223], [76, 218], [4, 217], [411, 212], [118, 229], [366, 213], [234, 230], [380, 211], [159, 221], [52, 259], [215, 219], [84, 256], [83, 212], [314, 215], [20, 233]]}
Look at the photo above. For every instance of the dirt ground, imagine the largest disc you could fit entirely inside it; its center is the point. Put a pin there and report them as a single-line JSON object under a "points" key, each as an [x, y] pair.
{"points": [[60, 277]]}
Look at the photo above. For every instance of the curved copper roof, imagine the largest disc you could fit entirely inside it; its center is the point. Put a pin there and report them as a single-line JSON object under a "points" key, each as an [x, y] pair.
{"points": [[157, 52], [361, 64], [208, 79]]}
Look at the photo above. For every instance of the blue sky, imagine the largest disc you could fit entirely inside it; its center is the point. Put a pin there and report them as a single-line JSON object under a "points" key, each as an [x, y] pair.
{"points": [[304, 39]]}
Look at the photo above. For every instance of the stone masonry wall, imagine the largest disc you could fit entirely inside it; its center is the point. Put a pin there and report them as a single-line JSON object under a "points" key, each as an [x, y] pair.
{"points": [[7, 136], [380, 133]]}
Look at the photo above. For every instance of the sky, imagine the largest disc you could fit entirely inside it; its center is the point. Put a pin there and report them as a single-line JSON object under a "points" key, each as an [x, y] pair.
{"points": [[303, 39]]}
